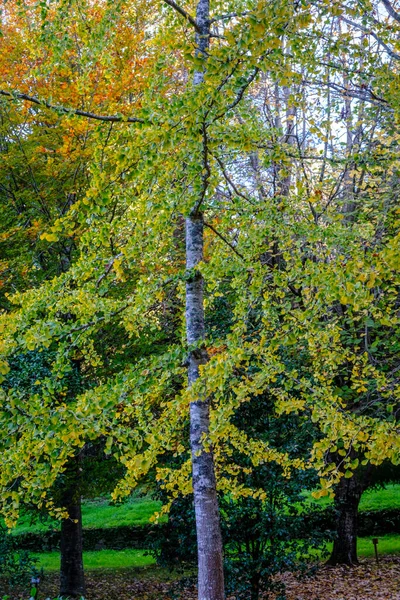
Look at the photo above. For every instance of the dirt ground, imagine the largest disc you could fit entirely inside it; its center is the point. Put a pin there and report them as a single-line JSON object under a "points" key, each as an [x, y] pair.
{"points": [[368, 581]]}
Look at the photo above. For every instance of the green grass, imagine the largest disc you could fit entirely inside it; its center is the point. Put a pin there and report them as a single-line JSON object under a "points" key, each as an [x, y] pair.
{"points": [[100, 513], [138, 510], [135, 512], [386, 498], [100, 559], [378, 499], [388, 544], [122, 559]]}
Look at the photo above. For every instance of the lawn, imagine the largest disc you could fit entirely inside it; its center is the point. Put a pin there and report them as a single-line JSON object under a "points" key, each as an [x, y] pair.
{"points": [[383, 499], [100, 513], [138, 510], [388, 544], [375, 499], [100, 559], [120, 559]]}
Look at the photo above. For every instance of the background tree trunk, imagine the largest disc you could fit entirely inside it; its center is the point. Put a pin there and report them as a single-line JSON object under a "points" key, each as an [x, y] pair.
{"points": [[255, 586], [347, 499], [72, 579]]}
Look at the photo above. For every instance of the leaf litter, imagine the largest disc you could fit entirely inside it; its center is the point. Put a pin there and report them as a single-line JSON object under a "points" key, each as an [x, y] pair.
{"points": [[366, 581]]}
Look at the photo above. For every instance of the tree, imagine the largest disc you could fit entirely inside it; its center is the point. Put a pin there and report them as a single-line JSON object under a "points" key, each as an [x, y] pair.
{"points": [[315, 280]]}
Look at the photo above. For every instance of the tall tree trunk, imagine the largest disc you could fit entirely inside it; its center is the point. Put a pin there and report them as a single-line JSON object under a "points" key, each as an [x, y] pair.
{"points": [[255, 586], [209, 539], [72, 579], [347, 499]]}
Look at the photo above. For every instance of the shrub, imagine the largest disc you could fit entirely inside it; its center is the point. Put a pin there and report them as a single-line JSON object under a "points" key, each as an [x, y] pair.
{"points": [[263, 539], [16, 566]]}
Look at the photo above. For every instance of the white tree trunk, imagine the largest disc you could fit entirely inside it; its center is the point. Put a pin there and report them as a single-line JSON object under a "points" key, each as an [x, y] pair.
{"points": [[209, 541]]}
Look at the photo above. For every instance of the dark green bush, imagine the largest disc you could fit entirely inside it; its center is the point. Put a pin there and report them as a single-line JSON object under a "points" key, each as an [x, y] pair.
{"points": [[263, 539], [16, 566]]}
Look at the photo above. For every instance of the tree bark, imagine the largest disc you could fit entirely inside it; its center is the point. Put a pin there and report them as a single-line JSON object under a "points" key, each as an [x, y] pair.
{"points": [[255, 587], [72, 579], [209, 539], [347, 499]]}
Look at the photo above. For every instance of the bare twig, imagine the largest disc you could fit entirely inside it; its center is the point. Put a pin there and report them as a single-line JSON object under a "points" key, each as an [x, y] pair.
{"points": [[230, 182], [229, 16], [239, 94]]}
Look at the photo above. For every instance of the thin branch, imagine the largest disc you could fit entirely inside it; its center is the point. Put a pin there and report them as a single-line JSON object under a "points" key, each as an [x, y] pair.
{"points": [[108, 268], [115, 313], [374, 35], [367, 95], [95, 321], [296, 292], [223, 238], [229, 16], [70, 111], [184, 14], [230, 182], [33, 179], [240, 93], [334, 193], [391, 10]]}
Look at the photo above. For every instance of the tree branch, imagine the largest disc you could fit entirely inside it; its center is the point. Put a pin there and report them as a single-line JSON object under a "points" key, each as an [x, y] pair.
{"points": [[108, 268], [229, 16], [230, 182], [391, 10], [184, 14], [223, 238], [367, 95], [374, 35], [70, 111], [239, 94]]}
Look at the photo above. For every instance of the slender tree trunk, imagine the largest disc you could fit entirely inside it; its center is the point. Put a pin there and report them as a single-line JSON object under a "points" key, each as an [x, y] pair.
{"points": [[209, 542], [209, 539], [255, 587], [72, 579], [347, 499]]}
